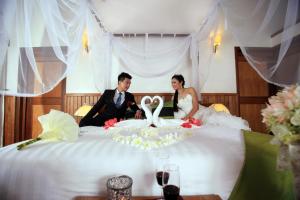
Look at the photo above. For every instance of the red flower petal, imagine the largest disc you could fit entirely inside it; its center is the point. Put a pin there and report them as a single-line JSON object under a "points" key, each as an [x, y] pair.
{"points": [[186, 125], [196, 122], [110, 123]]}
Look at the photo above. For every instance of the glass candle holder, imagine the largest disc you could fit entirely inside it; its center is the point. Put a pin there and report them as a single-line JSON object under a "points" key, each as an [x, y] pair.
{"points": [[119, 188]]}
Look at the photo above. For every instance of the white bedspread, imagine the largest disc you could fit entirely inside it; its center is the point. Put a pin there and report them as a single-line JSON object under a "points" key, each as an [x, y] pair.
{"points": [[210, 162]]}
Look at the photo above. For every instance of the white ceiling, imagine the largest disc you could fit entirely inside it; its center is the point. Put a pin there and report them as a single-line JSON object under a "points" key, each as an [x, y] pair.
{"points": [[152, 16], [169, 16]]}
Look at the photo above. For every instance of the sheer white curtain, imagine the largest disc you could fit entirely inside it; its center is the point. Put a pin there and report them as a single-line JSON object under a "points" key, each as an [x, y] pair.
{"points": [[58, 25], [153, 56], [1, 119], [255, 24]]}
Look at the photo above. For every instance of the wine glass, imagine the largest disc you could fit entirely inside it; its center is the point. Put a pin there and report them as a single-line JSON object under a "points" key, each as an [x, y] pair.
{"points": [[171, 183], [161, 160]]}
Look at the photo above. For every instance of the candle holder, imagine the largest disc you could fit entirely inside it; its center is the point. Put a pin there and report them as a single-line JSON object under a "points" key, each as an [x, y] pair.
{"points": [[119, 188]]}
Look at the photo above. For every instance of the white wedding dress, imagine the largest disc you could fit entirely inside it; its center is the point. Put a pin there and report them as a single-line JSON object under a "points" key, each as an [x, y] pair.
{"points": [[209, 115]]}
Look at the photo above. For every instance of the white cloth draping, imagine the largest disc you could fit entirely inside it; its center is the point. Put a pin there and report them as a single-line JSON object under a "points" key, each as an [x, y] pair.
{"points": [[210, 162], [59, 25], [267, 33]]}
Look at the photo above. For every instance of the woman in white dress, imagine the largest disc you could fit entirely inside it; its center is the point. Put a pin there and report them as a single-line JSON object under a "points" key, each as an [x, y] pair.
{"points": [[185, 103], [186, 106]]}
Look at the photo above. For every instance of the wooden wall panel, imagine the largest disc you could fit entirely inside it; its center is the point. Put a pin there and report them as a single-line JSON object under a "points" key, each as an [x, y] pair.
{"points": [[253, 91], [9, 120], [166, 96], [252, 112], [41, 105], [74, 101], [250, 83]]}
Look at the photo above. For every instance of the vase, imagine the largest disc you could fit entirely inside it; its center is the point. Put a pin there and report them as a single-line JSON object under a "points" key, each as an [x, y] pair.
{"points": [[294, 154], [283, 158]]}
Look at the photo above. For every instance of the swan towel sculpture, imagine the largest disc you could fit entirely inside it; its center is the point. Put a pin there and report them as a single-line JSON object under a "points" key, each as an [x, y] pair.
{"points": [[153, 118]]}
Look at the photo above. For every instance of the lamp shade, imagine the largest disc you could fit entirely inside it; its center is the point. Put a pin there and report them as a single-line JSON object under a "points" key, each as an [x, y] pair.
{"points": [[83, 110], [219, 108]]}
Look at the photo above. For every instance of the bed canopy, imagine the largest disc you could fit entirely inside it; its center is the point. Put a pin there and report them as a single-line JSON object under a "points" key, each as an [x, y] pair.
{"points": [[266, 31]]}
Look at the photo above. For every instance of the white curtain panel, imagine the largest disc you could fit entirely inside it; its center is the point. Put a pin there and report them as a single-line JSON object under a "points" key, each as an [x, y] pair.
{"points": [[272, 56], [59, 25], [1, 119], [154, 56]]}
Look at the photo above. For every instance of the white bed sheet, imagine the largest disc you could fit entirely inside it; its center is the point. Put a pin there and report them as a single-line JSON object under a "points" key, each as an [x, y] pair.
{"points": [[210, 162]]}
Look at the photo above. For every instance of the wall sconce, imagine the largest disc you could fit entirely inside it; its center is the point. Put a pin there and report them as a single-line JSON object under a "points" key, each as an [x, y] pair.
{"points": [[217, 42], [85, 41]]}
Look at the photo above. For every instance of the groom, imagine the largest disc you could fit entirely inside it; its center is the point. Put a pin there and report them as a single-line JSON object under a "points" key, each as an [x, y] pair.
{"points": [[112, 104]]}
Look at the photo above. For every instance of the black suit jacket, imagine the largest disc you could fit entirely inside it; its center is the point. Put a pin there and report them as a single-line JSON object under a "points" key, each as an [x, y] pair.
{"points": [[106, 109]]}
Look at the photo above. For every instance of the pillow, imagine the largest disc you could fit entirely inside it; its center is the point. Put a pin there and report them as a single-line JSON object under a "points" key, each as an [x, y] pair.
{"points": [[219, 108], [83, 110], [167, 104]]}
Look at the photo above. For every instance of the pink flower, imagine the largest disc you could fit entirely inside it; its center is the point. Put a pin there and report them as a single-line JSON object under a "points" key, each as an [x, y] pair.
{"points": [[186, 125], [110, 123], [191, 122], [196, 122]]}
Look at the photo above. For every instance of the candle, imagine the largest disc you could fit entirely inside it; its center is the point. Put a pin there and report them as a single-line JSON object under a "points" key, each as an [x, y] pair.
{"points": [[119, 188]]}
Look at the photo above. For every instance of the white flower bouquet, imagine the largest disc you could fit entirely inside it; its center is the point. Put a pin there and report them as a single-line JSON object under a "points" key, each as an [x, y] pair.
{"points": [[57, 126], [282, 115]]}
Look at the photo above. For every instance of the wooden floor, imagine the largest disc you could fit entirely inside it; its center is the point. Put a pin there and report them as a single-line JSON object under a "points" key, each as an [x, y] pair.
{"points": [[198, 197]]}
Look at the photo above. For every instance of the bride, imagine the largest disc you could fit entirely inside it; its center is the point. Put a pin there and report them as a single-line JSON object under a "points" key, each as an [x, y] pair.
{"points": [[186, 106]]}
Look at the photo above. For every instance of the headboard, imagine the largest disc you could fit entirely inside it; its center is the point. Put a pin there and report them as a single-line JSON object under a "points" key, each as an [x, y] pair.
{"points": [[72, 101]]}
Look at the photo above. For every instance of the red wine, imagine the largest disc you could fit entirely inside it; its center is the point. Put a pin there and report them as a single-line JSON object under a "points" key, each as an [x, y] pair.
{"points": [[171, 192], [159, 177]]}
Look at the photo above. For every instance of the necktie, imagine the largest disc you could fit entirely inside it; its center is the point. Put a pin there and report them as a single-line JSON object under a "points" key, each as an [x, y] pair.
{"points": [[118, 102]]}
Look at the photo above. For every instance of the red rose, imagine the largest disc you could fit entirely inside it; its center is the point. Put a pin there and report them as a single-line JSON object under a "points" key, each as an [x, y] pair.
{"points": [[110, 123], [196, 122], [186, 125]]}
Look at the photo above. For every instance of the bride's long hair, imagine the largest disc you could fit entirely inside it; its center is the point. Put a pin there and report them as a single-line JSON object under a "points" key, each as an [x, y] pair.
{"points": [[181, 80]]}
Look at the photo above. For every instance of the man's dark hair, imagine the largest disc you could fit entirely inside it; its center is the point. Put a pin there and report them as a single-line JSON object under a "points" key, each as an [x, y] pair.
{"points": [[123, 75]]}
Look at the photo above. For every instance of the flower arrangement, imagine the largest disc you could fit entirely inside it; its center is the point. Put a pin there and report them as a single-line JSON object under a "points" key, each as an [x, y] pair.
{"points": [[149, 137], [282, 115]]}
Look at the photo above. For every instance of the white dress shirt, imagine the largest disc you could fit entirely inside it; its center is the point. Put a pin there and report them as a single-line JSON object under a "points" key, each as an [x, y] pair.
{"points": [[117, 95]]}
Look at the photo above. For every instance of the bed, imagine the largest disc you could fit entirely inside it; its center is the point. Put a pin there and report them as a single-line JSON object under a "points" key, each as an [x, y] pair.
{"points": [[234, 164], [210, 162], [215, 160]]}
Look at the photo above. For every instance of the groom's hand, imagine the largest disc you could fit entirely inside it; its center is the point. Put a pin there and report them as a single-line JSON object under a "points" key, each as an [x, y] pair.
{"points": [[186, 118], [138, 114]]}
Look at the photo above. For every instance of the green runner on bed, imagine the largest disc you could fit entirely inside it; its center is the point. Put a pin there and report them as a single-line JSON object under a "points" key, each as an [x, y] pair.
{"points": [[259, 179]]}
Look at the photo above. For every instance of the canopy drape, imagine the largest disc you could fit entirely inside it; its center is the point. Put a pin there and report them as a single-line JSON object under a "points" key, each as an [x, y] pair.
{"points": [[59, 25]]}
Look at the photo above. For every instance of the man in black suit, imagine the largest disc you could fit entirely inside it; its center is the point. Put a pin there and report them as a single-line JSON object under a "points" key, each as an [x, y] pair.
{"points": [[112, 104]]}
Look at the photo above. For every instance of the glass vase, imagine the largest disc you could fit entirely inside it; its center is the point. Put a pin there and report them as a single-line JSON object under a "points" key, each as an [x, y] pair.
{"points": [[283, 158], [294, 155]]}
